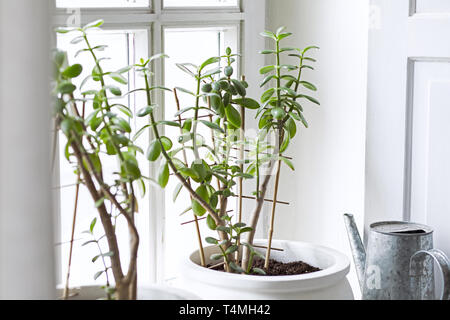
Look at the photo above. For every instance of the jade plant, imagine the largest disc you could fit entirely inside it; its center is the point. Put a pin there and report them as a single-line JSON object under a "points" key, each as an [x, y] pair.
{"points": [[212, 179], [97, 130], [212, 170]]}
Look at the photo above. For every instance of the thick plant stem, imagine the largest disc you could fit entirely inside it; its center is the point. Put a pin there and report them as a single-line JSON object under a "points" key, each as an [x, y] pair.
{"points": [[197, 226], [104, 216], [122, 281], [255, 215], [272, 218]]}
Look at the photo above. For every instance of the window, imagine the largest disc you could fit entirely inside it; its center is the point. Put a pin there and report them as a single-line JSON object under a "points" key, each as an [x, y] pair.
{"points": [[188, 31], [200, 3], [124, 48], [101, 3], [198, 44]]}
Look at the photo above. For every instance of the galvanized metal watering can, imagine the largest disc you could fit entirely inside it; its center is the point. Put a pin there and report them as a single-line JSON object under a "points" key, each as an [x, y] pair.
{"points": [[398, 262]]}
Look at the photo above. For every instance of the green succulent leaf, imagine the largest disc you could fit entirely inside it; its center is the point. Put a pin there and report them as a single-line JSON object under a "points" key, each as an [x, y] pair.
{"points": [[203, 193], [239, 87], [177, 191], [154, 151], [247, 103], [66, 87], [73, 71], [236, 268], [211, 240], [211, 223], [94, 24], [167, 143], [267, 95], [118, 78], [259, 271], [288, 163], [308, 85], [145, 111], [216, 256], [98, 274], [233, 116], [212, 125], [92, 225], [163, 174], [268, 34], [266, 69]]}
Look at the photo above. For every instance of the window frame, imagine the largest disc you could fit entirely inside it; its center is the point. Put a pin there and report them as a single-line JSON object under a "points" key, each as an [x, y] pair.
{"points": [[249, 17]]}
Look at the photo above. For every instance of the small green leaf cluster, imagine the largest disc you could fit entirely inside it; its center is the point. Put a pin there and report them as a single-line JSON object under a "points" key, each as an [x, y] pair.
{"points": [[282, 103], [232, 245], [208, 170], [102, 255], [218, 96], [107, 128]]}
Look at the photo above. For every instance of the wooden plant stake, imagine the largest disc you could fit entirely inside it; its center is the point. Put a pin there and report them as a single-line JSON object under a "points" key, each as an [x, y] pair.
{"points": [[241, 180], [74, 221], [197, 227], [265, 200], [75, 209], [219, 186], [272, 218]]}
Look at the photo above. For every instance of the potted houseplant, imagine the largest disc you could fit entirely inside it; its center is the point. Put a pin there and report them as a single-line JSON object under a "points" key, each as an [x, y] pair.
{"points": [[236, 265], [97, 130], [208, 169]]}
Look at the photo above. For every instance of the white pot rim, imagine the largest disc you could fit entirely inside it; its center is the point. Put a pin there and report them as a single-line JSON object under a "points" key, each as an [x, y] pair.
{"points": [[329, 276]]}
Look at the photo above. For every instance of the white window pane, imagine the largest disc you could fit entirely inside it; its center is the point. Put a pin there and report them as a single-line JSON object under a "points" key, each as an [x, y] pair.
{"points": [[200, 3], [193, 45], [124, 48], [101, 3]]}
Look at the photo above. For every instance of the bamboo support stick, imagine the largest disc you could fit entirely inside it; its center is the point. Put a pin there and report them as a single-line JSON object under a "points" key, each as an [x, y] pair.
{"points": [[199, 219], [54, 146], [67, 185], [216, 265], [241, 180], [247, 150], [266, 200], [219, 186], [74, 220], [263, 247], [69, 265], [197, 227], [272, 218], [199, 117], [192, 221]]}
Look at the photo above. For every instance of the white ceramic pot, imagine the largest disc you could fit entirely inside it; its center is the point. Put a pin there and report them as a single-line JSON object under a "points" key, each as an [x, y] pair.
{"points": [[328, 284], [144, 293]]}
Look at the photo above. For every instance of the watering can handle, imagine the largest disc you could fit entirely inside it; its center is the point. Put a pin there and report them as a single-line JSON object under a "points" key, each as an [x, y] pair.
{"points": [[444, 264]]}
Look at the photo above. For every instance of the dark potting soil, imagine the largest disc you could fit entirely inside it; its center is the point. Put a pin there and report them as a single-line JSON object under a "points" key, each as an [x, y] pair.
{"points": [[279, 268]]}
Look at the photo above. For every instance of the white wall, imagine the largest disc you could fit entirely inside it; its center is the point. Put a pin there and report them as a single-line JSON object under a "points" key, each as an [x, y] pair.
{"points": [[330, 155], [26, 233]]}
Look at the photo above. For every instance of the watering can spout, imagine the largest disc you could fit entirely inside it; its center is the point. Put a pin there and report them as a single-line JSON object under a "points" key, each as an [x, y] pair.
{"points": [[358, 250]]}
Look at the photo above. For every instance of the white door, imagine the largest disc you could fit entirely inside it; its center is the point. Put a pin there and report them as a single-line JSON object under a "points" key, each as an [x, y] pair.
{"points": [[408, 137]]}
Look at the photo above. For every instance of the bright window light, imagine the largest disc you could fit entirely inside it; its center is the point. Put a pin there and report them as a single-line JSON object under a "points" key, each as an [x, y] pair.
{"points": [[122, 51], [101, 3], [183, 45], [200, 3]]}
